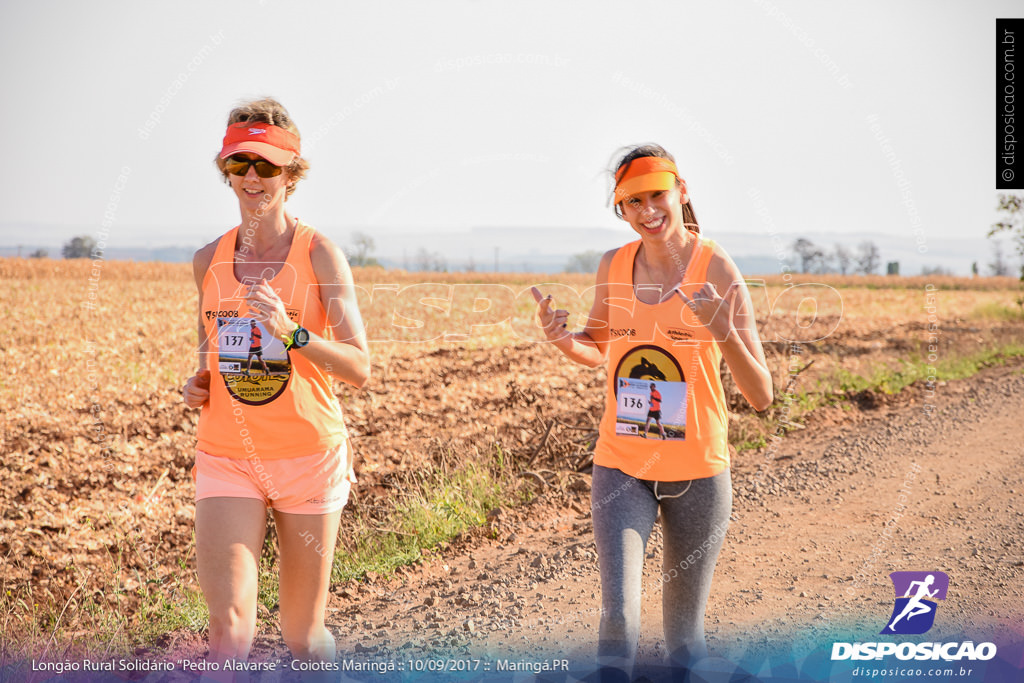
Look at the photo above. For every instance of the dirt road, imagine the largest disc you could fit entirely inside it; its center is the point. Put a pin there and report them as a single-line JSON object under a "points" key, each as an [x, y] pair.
{"points": [[821, 518], [913, 482]]}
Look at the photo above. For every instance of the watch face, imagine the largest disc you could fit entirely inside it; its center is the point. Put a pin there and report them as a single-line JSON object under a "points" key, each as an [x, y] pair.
{"points": [[301, 337]]}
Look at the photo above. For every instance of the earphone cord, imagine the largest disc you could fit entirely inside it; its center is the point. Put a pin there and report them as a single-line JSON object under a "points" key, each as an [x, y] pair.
{"points": [[661, 498]]}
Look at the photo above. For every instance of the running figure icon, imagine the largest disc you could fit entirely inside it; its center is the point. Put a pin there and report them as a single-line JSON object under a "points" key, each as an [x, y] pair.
{"points": [[256, 348], [915, 606], [654, 412]]}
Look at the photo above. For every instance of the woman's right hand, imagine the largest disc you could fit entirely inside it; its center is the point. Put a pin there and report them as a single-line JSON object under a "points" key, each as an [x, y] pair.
{"points": [[196, 391], [554, 322]]}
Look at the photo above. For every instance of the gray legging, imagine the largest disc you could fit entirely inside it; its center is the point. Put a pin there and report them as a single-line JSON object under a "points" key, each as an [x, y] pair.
{"points": [[694, 518]]}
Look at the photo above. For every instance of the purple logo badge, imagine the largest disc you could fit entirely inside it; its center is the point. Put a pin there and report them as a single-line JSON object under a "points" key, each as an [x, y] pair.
{"points": [[917, 594]]}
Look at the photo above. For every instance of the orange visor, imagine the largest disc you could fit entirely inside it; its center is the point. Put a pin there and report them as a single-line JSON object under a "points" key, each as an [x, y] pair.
{"points": [[645, 174], [274, 144]]}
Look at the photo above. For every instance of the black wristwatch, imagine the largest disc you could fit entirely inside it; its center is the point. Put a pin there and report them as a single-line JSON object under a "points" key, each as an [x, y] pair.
{"points": [[297, 339]]}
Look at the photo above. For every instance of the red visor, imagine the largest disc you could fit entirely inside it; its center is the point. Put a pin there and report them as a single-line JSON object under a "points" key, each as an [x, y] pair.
{"points": [[274, 144]]}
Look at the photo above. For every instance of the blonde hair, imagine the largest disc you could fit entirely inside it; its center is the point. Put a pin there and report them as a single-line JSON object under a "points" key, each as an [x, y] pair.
{"points": [[268, 110]]}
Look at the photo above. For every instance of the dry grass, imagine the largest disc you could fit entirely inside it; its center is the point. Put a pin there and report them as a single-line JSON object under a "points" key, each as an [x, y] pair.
{"points": [[93, 355], [140, 331]]}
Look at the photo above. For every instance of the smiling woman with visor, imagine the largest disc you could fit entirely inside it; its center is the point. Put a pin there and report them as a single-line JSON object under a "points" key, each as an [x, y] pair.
{"points": [[275, 287], [668, 308]]}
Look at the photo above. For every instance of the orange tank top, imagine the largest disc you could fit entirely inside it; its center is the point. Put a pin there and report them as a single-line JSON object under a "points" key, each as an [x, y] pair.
{"points": [[655, 400], [664, 345], [277, 404]]}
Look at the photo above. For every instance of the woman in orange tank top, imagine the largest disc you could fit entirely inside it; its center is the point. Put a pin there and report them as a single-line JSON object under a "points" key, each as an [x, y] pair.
{"points": [[667, 309], [276, 289]]}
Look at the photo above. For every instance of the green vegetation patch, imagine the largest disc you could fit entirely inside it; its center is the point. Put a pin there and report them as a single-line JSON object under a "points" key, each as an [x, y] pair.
{"points": [[431, 508]]}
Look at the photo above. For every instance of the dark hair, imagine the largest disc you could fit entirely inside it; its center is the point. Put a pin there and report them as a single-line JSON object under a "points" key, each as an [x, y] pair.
{"points": [[268, 110], [653, 150]]}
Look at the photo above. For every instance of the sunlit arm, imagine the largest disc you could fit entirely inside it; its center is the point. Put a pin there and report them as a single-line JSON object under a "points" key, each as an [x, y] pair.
{"points": [[737, 336], [346, 357], [588, 347], [196, 391], [581, 348]]}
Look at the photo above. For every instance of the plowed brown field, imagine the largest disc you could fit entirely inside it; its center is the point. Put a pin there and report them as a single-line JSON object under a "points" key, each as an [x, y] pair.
{"points": [[97, 446]]}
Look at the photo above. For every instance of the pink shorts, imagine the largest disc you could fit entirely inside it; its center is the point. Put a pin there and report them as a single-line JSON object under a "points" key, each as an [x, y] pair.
{"points": [[311, 485]]}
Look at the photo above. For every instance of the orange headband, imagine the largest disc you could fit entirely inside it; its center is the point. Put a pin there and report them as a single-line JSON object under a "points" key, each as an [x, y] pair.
{"points": [[644, 175]]}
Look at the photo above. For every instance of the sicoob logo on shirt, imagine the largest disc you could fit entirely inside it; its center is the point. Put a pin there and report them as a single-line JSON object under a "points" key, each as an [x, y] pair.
{"points": [[917, 594]]}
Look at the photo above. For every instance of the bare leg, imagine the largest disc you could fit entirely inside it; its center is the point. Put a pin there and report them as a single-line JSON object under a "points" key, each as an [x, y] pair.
{"points": [[307, 553], [229, 536]]}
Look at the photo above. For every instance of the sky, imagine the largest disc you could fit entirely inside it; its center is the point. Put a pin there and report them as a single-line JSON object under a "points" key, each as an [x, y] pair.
{"points": [[791, 117]]}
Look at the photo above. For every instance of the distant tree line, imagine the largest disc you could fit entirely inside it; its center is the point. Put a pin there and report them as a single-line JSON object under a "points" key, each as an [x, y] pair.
{"points": [[360, 253], [584, 262], [864, 259], [79, 247], [810, 258], [429, 261], [1011, 206]]}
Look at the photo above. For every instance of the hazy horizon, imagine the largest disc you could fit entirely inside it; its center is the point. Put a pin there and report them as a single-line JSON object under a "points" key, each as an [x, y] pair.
{"points": [[474, 248], [786, 116]]}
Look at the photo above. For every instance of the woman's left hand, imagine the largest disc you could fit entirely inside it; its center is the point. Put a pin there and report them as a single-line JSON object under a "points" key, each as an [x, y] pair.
{"points": [[712, 310], [268, 308]]}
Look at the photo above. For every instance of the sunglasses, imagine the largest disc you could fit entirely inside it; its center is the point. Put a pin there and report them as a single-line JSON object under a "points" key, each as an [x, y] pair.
{"points": [[236, 165]]}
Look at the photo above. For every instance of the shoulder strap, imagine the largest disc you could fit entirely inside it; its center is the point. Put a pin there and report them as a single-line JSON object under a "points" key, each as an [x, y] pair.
{"points": [[302, 243], [226, 246], [224, 253], [620, 270], [698, 269]]}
